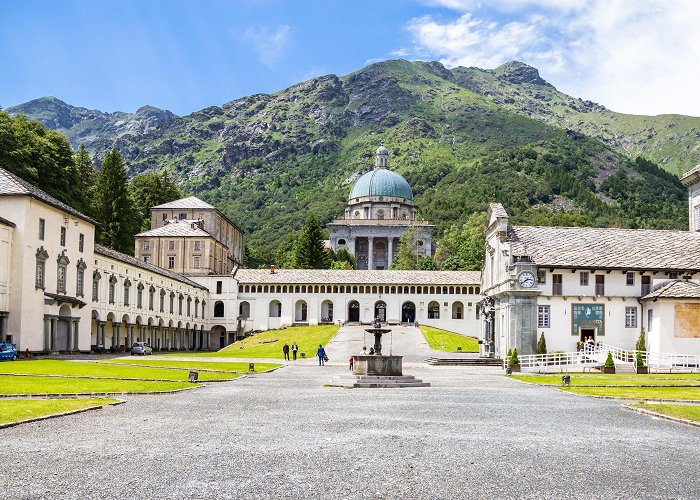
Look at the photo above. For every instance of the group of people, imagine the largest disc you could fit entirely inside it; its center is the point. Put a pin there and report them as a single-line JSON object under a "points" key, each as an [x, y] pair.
{"points": [[586, 342], [285, 350]]}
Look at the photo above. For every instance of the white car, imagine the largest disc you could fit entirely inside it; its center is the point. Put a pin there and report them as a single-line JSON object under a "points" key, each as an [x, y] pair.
{"points": [[141, 348]]}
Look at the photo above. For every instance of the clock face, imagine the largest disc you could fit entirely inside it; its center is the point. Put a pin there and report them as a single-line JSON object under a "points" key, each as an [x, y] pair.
{"points": [[526, 279]]}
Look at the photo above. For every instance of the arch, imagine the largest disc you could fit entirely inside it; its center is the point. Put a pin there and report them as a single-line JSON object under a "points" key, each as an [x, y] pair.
{"points": [[432, 289], [354, 311], [374, 289], [126, 319], [218, 309], [452, 290], [342, 289], [392, 290], [327, 311], [335, 288], [433, 310], [408, 312], [380, 310], [341, 241], [110, 317], [275, 309], [297, 289], [244, 309], [246, 289], [354, 289], [362, 289], [95, 315], [316, 289], [301, 311], [444, 290], [266, 289], [279, 289], [471, 290], [218, 337], [413, 289], [284, 289], [477, 290], [457, 310], [171, 323]]}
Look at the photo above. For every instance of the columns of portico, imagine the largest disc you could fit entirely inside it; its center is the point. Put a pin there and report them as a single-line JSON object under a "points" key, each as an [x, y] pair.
{"points": [[129, 335], [3, 327], [54, 332], [76, 335], [47, 333], [370, 252], [69, 334]]}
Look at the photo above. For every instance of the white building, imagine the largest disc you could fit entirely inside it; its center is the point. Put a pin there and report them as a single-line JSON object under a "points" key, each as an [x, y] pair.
{"points": [[571, 283]]}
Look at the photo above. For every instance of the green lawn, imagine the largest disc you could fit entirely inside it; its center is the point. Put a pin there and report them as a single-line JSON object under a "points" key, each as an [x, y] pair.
{"points": [[435, 338], [598, 380], [222, 366], [102, 370], [269, 344], [687, 412], [16, 410], [10, 384], [647, 393]]}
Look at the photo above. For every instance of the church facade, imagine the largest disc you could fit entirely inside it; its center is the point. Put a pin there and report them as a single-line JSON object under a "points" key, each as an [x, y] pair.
{"points": [[380, 210]]}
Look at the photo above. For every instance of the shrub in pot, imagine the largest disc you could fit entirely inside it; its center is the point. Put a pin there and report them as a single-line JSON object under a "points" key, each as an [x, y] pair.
{"points": [[609, 365]]}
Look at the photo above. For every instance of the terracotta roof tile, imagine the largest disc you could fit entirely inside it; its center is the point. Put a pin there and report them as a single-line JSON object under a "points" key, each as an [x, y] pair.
{"points": [[178, 228], [383, 277], [191, 202], [675, 290]]}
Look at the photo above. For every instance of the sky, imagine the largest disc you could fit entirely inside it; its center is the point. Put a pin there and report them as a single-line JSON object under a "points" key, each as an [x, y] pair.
{"points": [[633, 56]]}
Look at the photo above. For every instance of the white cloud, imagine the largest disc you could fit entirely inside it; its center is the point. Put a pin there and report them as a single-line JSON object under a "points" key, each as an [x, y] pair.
{"points": [[402, 52], [270, 44], [632, 56]]}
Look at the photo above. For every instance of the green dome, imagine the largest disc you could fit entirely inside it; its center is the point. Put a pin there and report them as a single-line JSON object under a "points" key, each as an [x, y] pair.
{"points": [[381, 182]]}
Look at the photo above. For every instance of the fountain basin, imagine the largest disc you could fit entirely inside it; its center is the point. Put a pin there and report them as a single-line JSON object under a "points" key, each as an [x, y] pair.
{"points": [[377, 365]]}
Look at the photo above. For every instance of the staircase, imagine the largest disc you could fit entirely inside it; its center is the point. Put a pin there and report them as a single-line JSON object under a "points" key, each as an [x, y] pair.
{"points": [[433, 361], [377, 382]]}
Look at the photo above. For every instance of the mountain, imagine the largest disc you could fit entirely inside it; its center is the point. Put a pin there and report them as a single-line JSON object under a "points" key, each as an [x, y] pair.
{"points": [[672, 141], [95, 129], [266, 160]]}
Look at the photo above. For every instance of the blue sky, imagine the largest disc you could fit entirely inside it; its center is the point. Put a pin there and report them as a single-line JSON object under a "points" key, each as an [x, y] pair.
{"points": [[633, 56]]}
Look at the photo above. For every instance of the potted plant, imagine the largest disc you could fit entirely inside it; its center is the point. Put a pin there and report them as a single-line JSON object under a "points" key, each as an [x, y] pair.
{"points": [[609, 365], [514, 361], [640, 364]]}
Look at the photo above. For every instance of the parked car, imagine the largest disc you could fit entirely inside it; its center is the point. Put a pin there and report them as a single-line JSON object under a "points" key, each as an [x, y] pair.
{"points": [[8, 351], [141, 348]]}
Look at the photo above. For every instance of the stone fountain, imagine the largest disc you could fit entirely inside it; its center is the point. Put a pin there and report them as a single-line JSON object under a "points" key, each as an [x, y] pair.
{"points": [[378, 370]]}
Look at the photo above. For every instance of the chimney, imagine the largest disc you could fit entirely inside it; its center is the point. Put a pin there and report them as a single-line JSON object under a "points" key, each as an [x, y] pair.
{"points": [[272, 269]]}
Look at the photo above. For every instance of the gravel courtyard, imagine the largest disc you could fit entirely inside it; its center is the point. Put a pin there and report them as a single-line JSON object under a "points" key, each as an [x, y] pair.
{"points": [[472, 434]]}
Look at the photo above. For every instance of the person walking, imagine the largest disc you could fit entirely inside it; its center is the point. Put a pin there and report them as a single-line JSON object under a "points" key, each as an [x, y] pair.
{"points": [[352, 360], [295, 348], [321, 353], [285, 350]]}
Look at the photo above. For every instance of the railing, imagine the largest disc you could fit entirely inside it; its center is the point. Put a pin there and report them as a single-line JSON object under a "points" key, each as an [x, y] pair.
{"points": [[556, 360], [653, 360]]}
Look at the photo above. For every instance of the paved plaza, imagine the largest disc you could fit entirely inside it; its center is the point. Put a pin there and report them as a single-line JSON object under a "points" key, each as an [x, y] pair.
{"points": [[473, 434]]}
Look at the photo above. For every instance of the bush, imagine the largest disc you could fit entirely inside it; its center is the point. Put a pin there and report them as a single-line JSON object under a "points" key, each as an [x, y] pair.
{"points": [[609, 362], [641, 342], [542, 345], [640, 360], [513, 358]]}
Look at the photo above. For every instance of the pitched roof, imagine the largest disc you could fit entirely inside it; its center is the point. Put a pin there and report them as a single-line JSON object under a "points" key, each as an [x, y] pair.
{"points": [[676, 290], [186, 203], [128, 259], [7, 222], [10, 184], [691, 176], [587, 247], [178, 228], [333, 276], [497, 210]]}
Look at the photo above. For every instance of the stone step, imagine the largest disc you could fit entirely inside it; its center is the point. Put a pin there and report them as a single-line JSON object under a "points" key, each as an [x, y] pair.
{"points": [[377, 382]]}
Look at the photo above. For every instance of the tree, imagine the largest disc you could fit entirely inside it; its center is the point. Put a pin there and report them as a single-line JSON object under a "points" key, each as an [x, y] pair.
{"points": [[115, 210], [255, 256], [542, 345], [149, 190], [406, 257], [609, 361], [641, 341], [309, 251], [462, 247], [343, 259], [513, 359], [88, 178]]}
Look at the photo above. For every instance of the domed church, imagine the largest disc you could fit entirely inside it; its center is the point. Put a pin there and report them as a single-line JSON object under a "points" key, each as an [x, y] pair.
{"points": [[380, 210]]}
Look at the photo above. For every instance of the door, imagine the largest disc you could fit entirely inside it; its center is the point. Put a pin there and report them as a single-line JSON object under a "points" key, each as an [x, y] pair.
{"points": [[586, 333], [380, 311], [408, 312], [354, 312]]}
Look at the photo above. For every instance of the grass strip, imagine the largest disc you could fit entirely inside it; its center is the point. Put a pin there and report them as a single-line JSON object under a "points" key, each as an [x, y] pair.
{"points": [[436, 337], [51, 385], [216, 366], [640, 393], [101, 370], [686, 412], [269, 344], [18, 410], [606, 380]]}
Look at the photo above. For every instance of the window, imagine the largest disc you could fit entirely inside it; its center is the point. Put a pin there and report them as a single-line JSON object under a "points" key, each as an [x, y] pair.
{"points": [[433, 310], [63, 236], [147, 258], [41, 256], [673, 276], [183, 216], [630, 279], [541, 276], [151, 292], [195, 262], [165, 216], [112, 285], [179, 304], [646, 285], [81, 242], [557, 288], [127, 288], [650, 319], [219, 286], [80, 278], [42, 229], [630, 317], [583, 278], [96, 286], [218, 309], [146, 245], [189, 306], [162, 300], [197, 245], [171, 261], [543, 316], [139, 295], [171, 245], [600, 285], [172, 302], [62, 262]]}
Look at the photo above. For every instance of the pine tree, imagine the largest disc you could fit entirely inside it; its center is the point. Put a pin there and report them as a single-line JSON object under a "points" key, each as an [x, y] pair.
{"points": [[309, 252], [641, 341], [149, 190], [115, 210], [542, 345], [406, 258], [88, 179]]}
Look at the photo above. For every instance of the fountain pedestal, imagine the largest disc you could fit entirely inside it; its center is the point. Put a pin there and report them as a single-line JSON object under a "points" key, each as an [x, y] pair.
{"points": [[377, 365]]}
